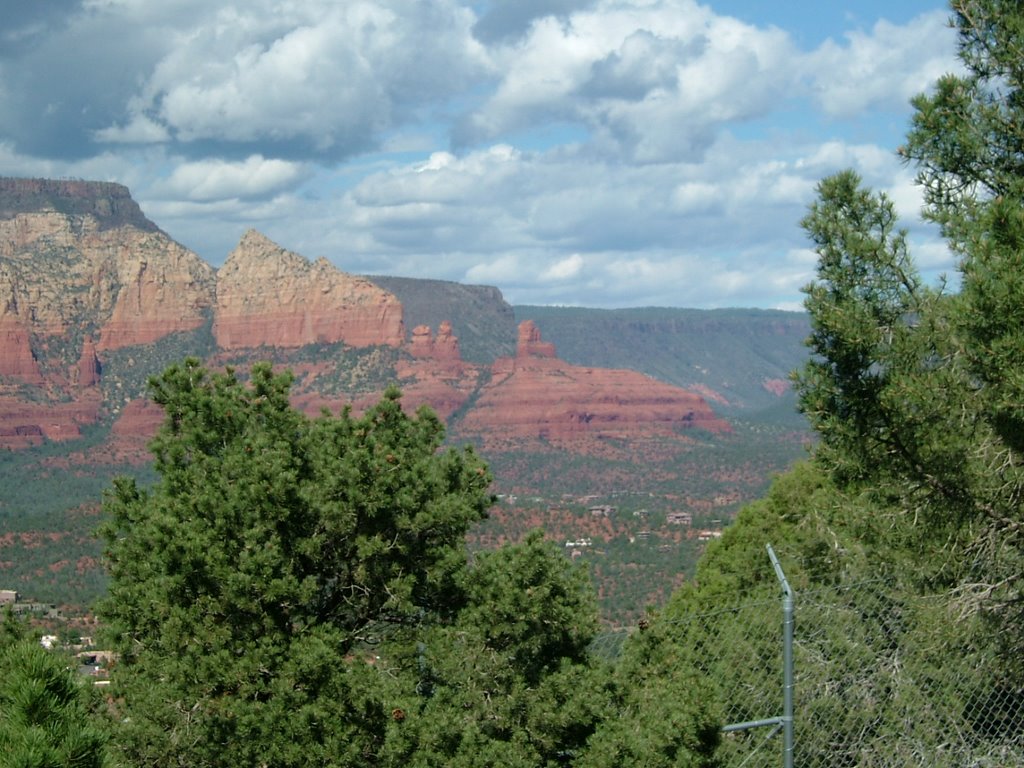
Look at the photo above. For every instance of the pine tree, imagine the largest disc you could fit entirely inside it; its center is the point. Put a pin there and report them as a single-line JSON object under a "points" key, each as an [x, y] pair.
{"points": [[45, 720], [918, 394], [247, 584]]}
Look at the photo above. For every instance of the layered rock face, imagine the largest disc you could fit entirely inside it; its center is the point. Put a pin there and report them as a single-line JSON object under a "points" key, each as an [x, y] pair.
{"points": [[164, 288], [88, 368], [267, 296], [437, 376], [77, 255], [444, 347], [111, 205], [24, 424], [530, 343], [83, 273], [536, 395]]}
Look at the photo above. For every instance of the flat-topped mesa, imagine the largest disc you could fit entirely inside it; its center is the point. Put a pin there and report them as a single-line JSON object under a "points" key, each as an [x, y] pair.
{"points": [[110, 204], [268, 296], [530, 344], [76, 253]]}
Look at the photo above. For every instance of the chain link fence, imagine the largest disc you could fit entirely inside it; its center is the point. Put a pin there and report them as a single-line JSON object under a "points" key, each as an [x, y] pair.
{"points": [[879, 678]]}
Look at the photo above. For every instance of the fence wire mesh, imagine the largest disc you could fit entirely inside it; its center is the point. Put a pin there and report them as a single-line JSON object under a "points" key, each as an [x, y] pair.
{"points": [[880, 679]]}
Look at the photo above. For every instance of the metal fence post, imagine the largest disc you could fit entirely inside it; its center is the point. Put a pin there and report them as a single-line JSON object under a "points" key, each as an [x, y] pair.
{"points": [[787, 661]]}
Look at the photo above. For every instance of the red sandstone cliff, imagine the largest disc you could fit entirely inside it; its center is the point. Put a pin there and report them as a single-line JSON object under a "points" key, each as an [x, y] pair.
{"points": [[267, 296], [83, 274], [444, 347], [530, 343], [23, 424], [80, 254], [537, 396], [88, 368], [16, 358], [436, 376], [163, 288]]}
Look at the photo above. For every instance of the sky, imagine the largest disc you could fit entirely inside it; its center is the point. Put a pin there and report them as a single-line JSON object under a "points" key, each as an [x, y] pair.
{"points": [[599, 153]]}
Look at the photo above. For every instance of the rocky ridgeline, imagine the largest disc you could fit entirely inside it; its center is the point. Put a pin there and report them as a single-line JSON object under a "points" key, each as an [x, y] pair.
{"points": [[83, 275], [268, 296], [84, 265]]}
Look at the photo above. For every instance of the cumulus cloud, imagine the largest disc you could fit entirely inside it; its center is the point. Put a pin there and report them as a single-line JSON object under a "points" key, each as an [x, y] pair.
{"points": [[564, 269], [499, 271], [313, 79], [140, 130], [504, 19], [653, 81], [548, 227], [588, 152], [881, 68], [321, 79], [256, 176]]}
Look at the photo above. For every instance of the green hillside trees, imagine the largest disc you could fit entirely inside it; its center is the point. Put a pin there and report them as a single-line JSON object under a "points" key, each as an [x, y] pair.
{"points": [[272, 548], [297, 592], [903, 537], [45, 714], [918, 393]]}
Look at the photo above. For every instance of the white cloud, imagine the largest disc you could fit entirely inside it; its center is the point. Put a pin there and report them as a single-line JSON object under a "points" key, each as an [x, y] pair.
{"points": [[697, 197], [312, 78], [653, 80], [932, 255], [500, 271], [140, 130], [906, 195], [586, 152], [883, 68], [256, 176], [538, 223], [564, 269]]}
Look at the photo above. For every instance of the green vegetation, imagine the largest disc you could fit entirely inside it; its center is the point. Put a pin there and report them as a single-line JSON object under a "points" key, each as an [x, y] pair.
{"points": [[47, 712], [298, 592], [126, 370], [49, 513], [915, 393]]}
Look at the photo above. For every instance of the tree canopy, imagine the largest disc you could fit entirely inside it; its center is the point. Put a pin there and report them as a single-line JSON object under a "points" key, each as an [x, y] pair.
{"points": [[906, 523], [46, 716], [297, 591], [918, 392]]}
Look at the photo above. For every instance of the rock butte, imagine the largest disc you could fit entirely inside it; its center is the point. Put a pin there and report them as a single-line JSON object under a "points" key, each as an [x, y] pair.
{"points": [[80, 254], [436, 375], [536, 395]]}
